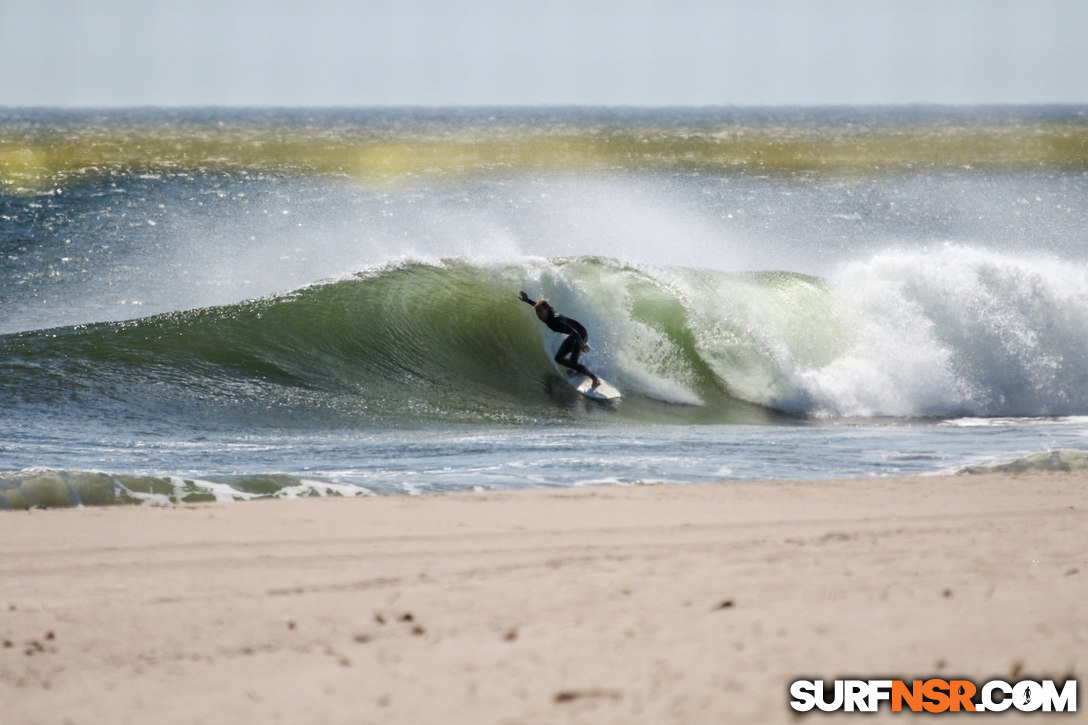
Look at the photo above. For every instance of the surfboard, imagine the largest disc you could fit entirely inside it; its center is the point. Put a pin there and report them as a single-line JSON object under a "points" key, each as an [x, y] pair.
{"points": [[604, 390]]}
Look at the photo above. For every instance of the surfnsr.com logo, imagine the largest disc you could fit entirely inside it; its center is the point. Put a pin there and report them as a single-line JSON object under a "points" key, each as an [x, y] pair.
{"points": [[933, 695]]}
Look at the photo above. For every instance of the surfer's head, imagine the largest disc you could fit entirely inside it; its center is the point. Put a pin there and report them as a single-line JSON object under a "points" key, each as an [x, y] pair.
{"points": [[544, 311]]}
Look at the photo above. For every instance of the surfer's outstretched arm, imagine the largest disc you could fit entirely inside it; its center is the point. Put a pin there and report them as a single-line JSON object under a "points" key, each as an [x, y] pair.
{"points": [[525, 298]]}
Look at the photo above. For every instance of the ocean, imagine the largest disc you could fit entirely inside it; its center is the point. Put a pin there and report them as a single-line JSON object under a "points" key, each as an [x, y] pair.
{"points": [[220, 304]]}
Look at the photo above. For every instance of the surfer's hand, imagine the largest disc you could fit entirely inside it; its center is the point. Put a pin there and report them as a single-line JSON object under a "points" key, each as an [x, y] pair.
{"points": [[586, 347], [523, 297]]}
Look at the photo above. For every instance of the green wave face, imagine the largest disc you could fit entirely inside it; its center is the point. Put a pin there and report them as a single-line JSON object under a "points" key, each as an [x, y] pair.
{"points": [[451, 341]]}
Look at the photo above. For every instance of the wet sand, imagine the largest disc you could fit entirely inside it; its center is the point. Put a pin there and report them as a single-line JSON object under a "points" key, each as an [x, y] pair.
{"points": [[647, 604]]}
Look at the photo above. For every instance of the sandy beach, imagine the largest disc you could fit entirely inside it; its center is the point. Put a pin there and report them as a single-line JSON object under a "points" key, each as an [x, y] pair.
{"points": [[646, 604]]}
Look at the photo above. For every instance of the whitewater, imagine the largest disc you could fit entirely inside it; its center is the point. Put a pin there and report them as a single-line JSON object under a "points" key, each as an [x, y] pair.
{"points": [[195, 334]]}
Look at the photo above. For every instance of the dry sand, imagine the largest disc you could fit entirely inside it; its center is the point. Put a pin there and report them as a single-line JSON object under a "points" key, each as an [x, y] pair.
{"points": [[649, 604]]}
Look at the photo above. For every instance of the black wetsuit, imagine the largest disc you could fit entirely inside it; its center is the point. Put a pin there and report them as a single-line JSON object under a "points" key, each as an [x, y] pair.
{"points": [[571, 349]]}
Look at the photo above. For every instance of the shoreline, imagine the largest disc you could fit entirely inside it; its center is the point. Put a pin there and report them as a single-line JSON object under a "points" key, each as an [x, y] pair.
{"points": [[642, 604]]}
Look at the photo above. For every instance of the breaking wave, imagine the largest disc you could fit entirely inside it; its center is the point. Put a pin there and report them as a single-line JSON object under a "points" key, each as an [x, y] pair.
{"points": [[942, 332]]}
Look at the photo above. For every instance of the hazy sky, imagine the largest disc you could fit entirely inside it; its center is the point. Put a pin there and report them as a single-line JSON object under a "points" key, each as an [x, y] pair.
{"points": [[533, 52]]}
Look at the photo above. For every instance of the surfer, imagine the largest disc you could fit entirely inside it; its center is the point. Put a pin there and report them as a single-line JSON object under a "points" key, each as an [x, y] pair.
{"points": [[577, 340]]}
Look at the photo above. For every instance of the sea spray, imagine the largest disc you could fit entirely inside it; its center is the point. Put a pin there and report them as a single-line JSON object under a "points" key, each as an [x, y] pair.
{"points": [[958, 330]]}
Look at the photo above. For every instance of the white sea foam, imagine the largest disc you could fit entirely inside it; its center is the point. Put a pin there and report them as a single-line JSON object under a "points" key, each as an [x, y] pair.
{"points": [[956, 330]]}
